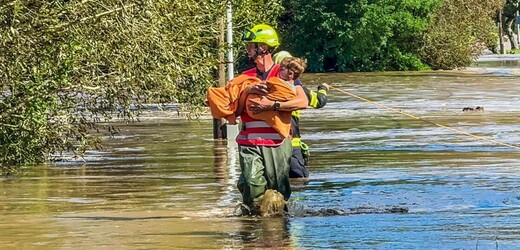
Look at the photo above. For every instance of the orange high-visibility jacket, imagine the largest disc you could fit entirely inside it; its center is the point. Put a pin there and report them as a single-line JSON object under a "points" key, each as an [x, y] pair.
{"points": [[223, 101]]}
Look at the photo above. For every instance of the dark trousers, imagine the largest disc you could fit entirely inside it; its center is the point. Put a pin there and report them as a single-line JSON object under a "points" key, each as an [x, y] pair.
{"points": [[298, 168]]}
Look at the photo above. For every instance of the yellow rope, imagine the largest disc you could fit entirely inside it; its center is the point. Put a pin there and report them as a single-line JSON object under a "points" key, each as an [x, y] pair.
{"points": [[430, 122]]}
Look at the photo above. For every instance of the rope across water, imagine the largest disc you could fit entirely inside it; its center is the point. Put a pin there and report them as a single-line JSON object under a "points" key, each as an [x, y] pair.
{"points": [[430, 122]]}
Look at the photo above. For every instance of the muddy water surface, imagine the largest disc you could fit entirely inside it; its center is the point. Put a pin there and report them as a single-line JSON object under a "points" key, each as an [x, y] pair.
{"points": [[164, 183]]}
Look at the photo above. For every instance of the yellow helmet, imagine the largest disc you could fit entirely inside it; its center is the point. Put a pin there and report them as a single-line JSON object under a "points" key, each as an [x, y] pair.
{"points": [[279, 56], [261, 33]]}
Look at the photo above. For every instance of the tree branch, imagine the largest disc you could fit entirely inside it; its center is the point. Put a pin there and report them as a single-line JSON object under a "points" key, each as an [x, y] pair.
{"points": [[90, 17]]}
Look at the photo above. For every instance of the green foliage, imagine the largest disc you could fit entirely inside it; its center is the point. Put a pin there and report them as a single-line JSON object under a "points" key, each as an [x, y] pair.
{"points": [[458, 32], [513, 51], [357, 35], [66, 67], [509, 10]]}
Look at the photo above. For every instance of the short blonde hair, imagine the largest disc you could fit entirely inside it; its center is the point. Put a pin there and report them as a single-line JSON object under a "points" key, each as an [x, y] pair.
{"points": [[295, 65]]}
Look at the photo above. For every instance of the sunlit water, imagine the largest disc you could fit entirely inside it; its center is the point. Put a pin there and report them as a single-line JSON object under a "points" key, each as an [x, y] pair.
{"points": [[165, 183]]}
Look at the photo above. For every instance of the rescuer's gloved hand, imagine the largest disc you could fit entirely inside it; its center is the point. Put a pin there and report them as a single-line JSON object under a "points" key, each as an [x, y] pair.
{"points": [[305, 153], [324, 86]]}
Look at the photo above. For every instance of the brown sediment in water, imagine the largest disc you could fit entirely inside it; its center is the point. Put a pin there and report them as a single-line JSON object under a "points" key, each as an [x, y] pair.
{"points": [[271, 204]]}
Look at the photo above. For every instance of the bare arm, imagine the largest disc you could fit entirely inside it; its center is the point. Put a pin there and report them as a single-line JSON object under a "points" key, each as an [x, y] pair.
{"points": [[259, 89], [300, 101]]}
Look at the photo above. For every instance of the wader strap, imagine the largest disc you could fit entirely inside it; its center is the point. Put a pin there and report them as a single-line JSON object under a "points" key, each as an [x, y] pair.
{"points": [[267, 136], [259, 133]]}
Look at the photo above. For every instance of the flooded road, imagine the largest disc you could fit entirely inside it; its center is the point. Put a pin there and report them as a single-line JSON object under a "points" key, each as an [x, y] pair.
{"points": [[165, 184]]}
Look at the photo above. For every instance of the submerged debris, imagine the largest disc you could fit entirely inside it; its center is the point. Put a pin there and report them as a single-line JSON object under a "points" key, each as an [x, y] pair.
{"points": [[478, 108], [270, 204], [325, 212]]}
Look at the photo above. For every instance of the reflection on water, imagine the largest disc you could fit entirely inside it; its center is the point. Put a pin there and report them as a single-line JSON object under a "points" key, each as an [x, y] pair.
{"points": [[167, 184], [262, 233]]}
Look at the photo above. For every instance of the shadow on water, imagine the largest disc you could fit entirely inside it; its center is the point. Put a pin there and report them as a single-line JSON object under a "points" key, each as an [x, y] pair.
{"points": [[262, 233], [378, 180]]}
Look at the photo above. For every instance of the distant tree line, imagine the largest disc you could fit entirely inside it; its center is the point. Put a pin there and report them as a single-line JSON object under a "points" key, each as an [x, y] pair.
{"points": [[384, 35], [68, 67]]}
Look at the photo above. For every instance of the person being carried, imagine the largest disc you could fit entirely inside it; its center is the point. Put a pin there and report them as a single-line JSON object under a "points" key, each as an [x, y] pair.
{"points": [[223, 100], [300, 153]]}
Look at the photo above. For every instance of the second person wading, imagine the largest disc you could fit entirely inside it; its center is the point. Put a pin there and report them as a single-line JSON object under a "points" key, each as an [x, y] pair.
{"points": [[300, 154]]}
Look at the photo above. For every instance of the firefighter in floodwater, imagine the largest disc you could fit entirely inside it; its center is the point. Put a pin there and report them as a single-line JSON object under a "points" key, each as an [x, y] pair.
{"points": [[300, 153]]}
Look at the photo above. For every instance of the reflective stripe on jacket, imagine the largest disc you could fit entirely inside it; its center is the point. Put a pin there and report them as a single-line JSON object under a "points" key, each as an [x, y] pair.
{"points": [[296, 142], [258, 131], [316, 99], [253, 133]]}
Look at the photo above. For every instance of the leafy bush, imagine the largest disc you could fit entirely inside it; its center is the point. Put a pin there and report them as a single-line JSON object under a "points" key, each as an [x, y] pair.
{"points": [[513, 51], [357, 35], [458, 32], [67, 66]]}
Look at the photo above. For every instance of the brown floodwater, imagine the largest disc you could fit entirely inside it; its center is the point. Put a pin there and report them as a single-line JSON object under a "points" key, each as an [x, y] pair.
{"points": [[165, 184]]}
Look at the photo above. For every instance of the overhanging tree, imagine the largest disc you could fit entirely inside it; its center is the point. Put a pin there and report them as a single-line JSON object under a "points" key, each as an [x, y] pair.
{"points": [[67, 66]]}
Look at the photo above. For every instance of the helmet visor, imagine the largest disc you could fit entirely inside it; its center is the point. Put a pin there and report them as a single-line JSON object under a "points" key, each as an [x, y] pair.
{"points": [[248, 36]]}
